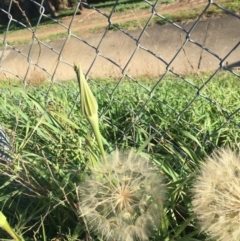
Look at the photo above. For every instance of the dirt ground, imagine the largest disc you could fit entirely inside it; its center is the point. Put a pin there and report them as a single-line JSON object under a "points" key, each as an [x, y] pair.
{"points": [[91, 19], [140, 52]]}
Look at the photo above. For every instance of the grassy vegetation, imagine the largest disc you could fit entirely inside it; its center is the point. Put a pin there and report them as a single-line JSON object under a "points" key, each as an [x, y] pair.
{"points": [[178, 125], [47, 38], [172, 16], [193, 13], [123, 5], [129, 25], [178, 16], [188, 13]]}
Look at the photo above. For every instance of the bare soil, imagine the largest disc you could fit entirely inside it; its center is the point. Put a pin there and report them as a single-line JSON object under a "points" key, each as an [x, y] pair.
{"points": [[91, 22]]}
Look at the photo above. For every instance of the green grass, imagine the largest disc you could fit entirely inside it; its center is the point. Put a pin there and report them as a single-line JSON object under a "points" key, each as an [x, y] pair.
{"points": [[188, 14], [47, 38], [176, 16], [181, 15], [49, 134], [123, 5]]}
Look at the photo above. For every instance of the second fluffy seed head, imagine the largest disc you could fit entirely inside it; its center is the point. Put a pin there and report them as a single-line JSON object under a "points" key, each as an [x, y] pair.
{"points": [[216, 195]]}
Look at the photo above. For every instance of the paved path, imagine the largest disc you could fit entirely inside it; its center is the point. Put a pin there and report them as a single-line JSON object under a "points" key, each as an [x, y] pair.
{"points": [[218, 35]]}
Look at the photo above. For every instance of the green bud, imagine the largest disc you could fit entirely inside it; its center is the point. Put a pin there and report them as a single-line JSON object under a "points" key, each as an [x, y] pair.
{"points": [[89, 106], [5, 226]]}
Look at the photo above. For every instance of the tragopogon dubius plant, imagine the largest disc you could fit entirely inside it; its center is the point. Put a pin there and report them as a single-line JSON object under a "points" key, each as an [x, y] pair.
{"points": [[216, 199], [123, 198]]}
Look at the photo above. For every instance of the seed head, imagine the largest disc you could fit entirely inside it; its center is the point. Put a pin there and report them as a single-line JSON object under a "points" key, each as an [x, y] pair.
{"points": [[216, 198], [123, 197]]}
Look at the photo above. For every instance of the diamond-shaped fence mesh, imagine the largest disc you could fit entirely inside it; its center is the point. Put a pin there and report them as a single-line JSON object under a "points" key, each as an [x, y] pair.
{"points": [[166, 77], [148, 57]]}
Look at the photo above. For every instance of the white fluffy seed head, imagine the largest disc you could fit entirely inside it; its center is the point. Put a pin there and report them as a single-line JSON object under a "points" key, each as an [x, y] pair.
{"points": [[216, 195], [122, 199]]}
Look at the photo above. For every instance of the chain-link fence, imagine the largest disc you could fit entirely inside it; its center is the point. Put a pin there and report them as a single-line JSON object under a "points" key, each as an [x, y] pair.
{"points": [[107, 48], [166, 79]]}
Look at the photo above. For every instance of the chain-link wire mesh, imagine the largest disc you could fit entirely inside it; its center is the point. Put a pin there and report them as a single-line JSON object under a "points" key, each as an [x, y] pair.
{"points": [[163, 86], [177, 50]]}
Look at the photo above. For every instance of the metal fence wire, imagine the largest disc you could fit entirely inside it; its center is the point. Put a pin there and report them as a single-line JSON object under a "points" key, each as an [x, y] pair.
{"points": [[166, 49]]}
